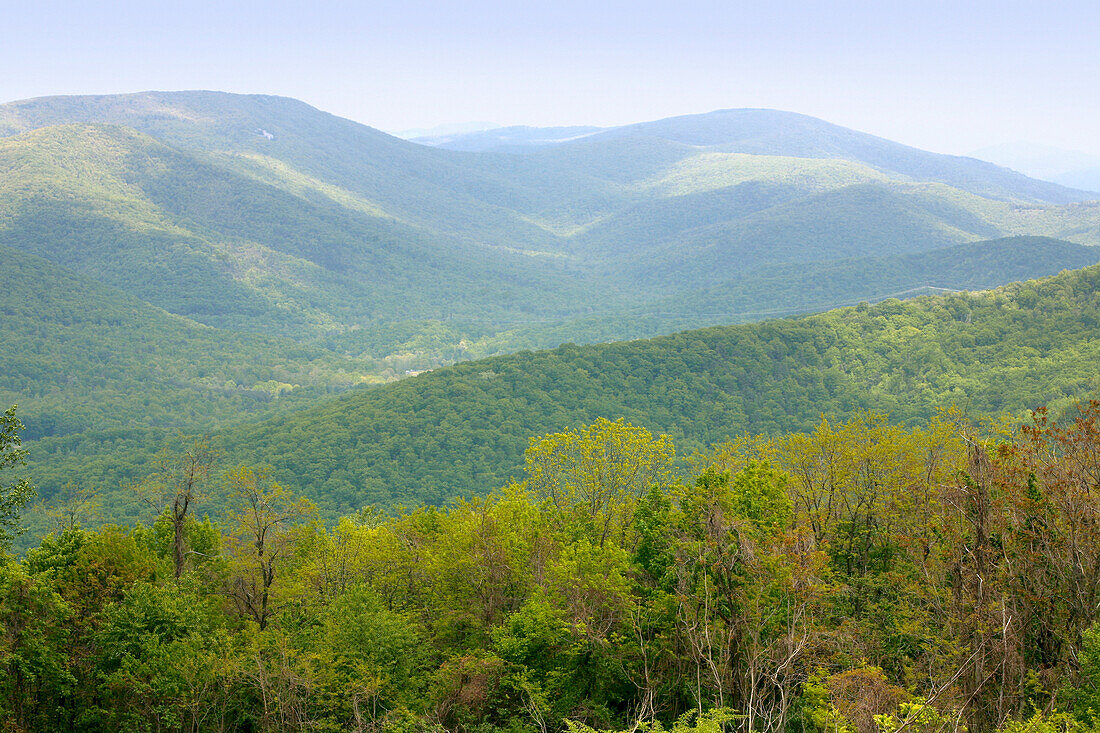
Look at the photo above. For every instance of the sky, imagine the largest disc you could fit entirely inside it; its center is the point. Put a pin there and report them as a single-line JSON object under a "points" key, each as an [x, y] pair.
{"points": [[950, 77]]}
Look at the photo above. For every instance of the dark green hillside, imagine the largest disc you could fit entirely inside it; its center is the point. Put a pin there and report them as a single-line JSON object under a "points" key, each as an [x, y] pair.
{"points": [[857, 221], [82, 357], [782, 290], [428, 438], [818, 286], [651, 223]]}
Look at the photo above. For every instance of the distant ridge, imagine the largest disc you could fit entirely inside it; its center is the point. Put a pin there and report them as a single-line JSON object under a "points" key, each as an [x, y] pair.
{"points": [[506, 139], [446, 131], [1071, 168], [774, 132]]}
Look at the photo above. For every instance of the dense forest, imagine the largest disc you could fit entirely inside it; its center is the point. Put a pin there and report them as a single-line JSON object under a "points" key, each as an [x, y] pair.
{"points": [[454, 431], [858, 577]]}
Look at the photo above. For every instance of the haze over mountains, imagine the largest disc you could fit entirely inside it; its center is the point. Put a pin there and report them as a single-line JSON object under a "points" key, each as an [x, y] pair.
{"points": [[227, 258], [1066, 167]]}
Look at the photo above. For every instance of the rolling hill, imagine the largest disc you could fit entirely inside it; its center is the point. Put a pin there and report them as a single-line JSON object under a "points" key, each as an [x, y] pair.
{"points": [[782, 290], [263, 214], [463, 429], [82, 357], [776, 133], [200, 240]]}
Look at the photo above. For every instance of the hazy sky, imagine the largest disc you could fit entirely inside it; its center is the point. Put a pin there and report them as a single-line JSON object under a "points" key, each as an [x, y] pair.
{"points": [[946, 76]]}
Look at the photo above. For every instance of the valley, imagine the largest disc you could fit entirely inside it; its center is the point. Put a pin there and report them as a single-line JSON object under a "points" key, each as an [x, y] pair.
{"points": [[302, 255]]}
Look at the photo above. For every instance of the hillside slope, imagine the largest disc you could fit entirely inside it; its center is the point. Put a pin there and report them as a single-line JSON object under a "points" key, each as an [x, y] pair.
{"points": [[617, 217], [203, 241], [463, 429], [778, 133], [258, 133], [782, 290], [81, 357]]}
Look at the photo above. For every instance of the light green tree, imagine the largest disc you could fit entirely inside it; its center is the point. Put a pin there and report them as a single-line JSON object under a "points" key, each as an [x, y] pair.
{"points": [[266, 516], [595, 475]]}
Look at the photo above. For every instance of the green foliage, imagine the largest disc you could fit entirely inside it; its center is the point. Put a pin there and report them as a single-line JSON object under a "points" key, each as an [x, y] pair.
{"points": [[535, 636], [741, 600], [593, 476], [712, 721], [368, 655], [1085, 694], [90, 358], [923, 718], [1058, 722], [759, 494], [13, 495], [34, 619]]}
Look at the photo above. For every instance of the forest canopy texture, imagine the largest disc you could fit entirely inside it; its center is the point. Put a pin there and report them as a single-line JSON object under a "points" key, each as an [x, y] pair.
{"points": [[859, 576]]}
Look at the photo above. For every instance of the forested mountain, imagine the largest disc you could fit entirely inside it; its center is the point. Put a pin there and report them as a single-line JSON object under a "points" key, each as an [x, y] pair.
{"points": [[267, 220], [206, 242], [775, 133], [428, 438], [461, 429], [780, 290], [599, 215]]}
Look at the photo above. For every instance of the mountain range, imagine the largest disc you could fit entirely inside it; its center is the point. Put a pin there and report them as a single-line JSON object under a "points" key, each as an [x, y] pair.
{"points": [[201, 261]]}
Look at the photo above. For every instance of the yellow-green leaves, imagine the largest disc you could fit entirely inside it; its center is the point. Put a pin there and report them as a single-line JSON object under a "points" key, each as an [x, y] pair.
{"points": [[593, 476]]}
